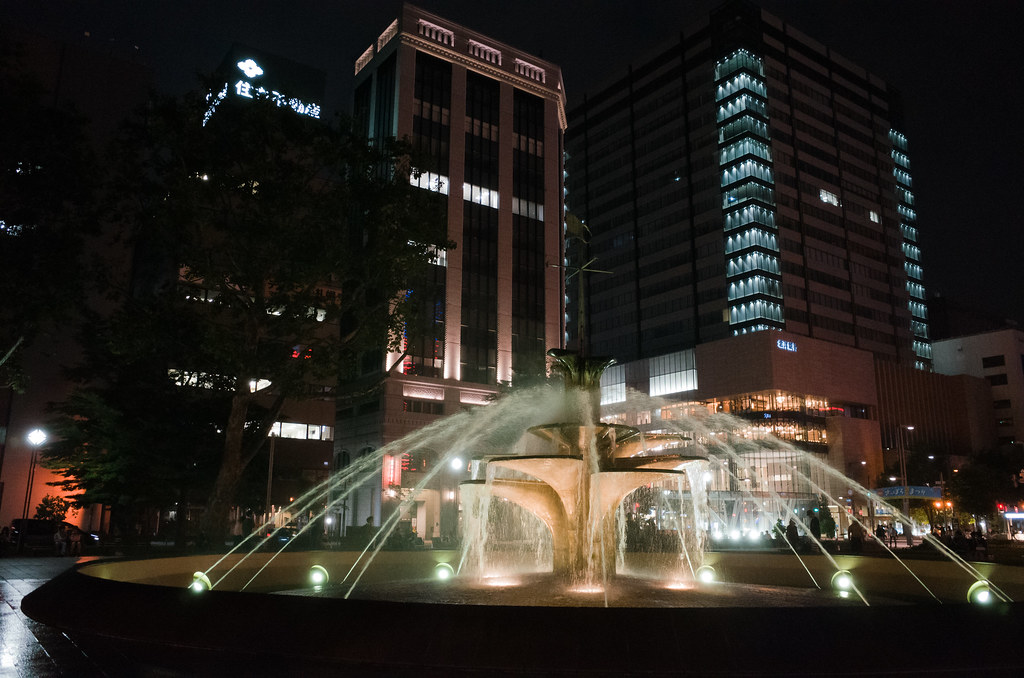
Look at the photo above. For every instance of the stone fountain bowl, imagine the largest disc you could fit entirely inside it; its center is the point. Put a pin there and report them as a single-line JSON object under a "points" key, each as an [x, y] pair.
{"points": [[160, 627]]}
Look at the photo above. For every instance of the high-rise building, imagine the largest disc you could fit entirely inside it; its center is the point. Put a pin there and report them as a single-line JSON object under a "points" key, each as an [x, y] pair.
{"points": [[747, 178], [750, 218], [486, 122]]}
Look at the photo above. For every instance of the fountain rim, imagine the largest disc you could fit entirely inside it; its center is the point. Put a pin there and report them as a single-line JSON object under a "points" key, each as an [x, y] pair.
{"points": [[193, 626]]}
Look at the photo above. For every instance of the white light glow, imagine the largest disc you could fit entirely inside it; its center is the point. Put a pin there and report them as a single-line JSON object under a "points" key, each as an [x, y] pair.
{"points": [[36, 437], [456, 463], [318, 575]]}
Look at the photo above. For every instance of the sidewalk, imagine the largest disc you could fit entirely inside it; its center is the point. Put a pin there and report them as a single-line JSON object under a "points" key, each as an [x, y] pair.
{"points": [[27, 648]]}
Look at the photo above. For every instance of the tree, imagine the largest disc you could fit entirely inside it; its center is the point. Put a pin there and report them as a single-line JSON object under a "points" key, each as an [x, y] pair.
{"points": [[47, 190], [269, 248], [53, 508], [990, 478]]}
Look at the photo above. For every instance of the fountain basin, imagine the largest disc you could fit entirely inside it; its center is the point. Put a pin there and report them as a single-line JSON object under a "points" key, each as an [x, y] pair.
{"points": [[157, 622]]}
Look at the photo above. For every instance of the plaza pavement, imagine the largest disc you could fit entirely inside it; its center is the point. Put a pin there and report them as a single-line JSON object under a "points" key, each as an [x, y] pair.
{"points": [[29, 649]]}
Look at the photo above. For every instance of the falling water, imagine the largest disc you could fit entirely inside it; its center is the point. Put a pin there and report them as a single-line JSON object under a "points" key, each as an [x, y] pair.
{"points": [[500, 531]]}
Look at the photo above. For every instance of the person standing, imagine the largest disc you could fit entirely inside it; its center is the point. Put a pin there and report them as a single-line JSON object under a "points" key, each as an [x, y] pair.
{"points": [[60, 541], [856, 535], [815, 526], [792, 536]]}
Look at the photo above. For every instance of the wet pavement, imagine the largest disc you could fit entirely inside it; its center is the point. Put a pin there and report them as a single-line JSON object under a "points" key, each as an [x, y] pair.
{"points": [[30, 649]]}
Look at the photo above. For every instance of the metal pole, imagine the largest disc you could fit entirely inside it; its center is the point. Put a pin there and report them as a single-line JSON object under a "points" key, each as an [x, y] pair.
{"points": [[28, 498], [907, 529], [270, 476]]}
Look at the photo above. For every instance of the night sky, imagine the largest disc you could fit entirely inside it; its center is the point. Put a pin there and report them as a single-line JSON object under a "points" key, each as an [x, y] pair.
{"points": [[958, 65]]}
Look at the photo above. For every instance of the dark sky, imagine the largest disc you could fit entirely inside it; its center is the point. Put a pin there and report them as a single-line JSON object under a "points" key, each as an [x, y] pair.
{"points": [[958, 65]]}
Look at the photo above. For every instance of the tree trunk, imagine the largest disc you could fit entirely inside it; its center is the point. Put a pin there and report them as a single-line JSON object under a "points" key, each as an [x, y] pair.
{"points": [[214, 525]]}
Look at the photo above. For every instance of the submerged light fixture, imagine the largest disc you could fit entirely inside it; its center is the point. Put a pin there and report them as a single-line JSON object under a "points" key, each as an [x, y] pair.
{"points": [[980, 593], [318, 576], [706, 574], [444, 571], [842, 582], [200, 583]]}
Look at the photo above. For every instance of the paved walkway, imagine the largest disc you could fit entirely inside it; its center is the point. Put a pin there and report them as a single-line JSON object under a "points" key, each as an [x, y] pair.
{"points": [[29, 649]]}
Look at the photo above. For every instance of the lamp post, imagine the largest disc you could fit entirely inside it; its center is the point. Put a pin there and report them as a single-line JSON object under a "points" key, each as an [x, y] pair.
{"points": [[270, 477], [902, 447], [36, 437]]}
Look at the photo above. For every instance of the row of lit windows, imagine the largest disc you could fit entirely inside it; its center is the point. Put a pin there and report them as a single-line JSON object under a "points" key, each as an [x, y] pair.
{"points": [[915, 289], [297, 431], [738, 82], [757, 309], [746, 170], [741, 104], [429, 181], [906, 212], [922, 349], [751, 214], [740, 194], [673, 373], [438, 183], [754, 237], [746, 146], [757, 284], [739, 59], [913, 270], [744, 125], [898, 140], [918, 310], [911, 252], [754, 261]]}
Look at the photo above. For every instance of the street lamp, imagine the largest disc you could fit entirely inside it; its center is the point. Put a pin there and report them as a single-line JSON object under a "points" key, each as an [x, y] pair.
{"points": [[902, 447]]}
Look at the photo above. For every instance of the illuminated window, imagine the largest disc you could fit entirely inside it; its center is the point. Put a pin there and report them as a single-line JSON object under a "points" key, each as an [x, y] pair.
{"points": [[613, 385], [430, 181], [829, 197], [672, 373], [481, 196]]}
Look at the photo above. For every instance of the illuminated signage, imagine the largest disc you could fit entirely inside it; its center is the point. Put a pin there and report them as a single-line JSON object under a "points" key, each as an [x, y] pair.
{"points": [[250, 87], [786, 345], [911, 491]]}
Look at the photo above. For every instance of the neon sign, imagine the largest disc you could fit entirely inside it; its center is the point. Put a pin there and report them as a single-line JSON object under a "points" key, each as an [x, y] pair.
{"points": [[786, 345], [246, 88]]}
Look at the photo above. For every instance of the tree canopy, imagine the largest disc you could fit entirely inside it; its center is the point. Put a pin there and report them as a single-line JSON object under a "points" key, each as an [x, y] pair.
{"points": [[47, 188], [268, 251]]}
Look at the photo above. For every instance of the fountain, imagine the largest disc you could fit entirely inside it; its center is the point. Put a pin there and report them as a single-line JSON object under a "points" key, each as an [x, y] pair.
{"points": [[574, 597]]}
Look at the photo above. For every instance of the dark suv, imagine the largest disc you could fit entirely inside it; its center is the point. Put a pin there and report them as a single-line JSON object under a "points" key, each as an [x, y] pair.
{"points": [[38, 535]]}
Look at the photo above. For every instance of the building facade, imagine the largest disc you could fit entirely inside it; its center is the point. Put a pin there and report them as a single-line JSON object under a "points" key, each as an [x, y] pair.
{"points": [[746, 178], [998, 358], [485, 122], [748, 200]]}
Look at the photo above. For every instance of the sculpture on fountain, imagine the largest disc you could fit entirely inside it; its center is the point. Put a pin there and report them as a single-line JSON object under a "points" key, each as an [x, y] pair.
{"points": [[591, 466]]}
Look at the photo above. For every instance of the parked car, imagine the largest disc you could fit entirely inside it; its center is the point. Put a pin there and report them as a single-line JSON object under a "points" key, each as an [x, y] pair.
{"points": [[36, 535]]}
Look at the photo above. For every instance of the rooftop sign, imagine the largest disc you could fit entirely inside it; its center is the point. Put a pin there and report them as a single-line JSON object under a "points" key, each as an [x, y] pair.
{"points": [[250, 75]]}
